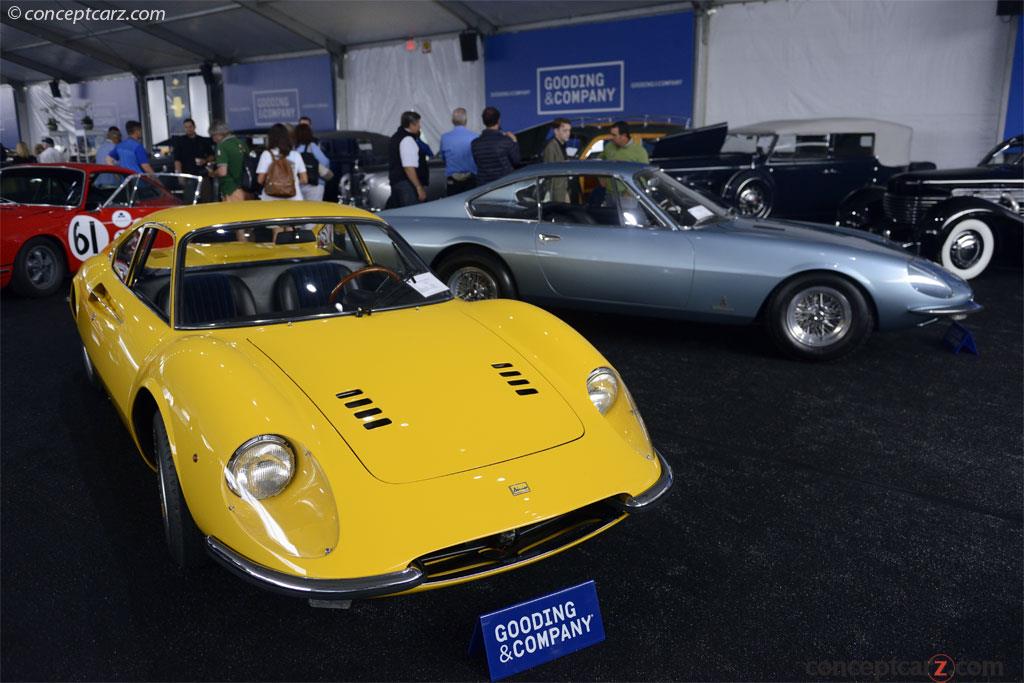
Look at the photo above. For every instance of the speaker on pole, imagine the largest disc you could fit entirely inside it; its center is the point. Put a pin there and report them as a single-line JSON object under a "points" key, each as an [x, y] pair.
{"points": [[467, 41], [55, 88]]}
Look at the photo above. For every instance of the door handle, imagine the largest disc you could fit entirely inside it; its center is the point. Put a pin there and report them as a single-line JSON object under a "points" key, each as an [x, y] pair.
{"points": [[98, 295], [548, 238]]}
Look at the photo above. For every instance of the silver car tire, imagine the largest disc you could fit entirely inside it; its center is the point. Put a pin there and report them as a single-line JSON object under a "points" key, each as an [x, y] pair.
{"points": [[753, 197], [819, 317], [184, 540], [968, 247]]}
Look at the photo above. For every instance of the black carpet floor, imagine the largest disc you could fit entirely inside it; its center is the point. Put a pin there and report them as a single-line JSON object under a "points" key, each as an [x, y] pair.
{"points": [[869, 509]]}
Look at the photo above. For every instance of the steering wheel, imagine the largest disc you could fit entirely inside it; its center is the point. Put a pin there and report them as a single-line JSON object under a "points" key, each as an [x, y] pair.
{"points": [[356, 273]]}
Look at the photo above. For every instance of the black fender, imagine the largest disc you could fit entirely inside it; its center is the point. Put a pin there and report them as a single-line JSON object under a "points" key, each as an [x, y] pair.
{"points": [[1006, 225], [862, 208]]}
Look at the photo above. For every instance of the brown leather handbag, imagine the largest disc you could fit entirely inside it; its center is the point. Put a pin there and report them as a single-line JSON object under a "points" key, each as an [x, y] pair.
{"points": [[280, 180]]}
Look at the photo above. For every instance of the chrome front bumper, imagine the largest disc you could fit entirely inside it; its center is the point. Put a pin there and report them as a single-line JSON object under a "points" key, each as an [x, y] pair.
{"points": [[957, 311], [318, 589], [397, 582], [644, 500]]}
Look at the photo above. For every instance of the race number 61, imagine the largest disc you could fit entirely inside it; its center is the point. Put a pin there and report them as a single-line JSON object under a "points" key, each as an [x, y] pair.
{"points": [[87, 237]]}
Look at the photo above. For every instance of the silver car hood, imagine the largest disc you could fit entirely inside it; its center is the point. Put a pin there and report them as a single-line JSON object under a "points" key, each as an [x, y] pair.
{"points": [[820, 233]]}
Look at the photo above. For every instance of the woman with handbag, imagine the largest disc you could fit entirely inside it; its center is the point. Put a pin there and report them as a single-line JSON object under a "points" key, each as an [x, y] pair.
{"points": [[318, 167], [280, 170]]}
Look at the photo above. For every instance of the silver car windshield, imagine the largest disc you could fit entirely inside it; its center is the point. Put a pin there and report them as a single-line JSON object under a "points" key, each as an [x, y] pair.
{"points": [[752, 143], [687, 207]]}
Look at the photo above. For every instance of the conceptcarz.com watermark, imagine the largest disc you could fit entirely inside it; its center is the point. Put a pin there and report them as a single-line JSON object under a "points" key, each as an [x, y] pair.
{"points": [[16, 13], [941, 668]]}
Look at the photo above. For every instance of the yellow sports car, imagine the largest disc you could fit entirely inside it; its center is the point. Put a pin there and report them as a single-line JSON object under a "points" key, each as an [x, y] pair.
{"points": [[328, 421]]}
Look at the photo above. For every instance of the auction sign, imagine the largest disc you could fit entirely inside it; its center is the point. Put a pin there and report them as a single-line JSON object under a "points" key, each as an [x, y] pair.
{"points": [[522, 636], [629, 68], [580, 88]]}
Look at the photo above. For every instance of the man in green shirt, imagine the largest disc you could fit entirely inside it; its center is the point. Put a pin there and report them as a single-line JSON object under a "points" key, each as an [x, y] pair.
{"points": [[622, 147], [231, 153]]}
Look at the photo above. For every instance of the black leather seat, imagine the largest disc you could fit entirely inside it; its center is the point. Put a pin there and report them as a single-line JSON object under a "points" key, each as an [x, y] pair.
{"points": [[209, 297], [307, 286]]}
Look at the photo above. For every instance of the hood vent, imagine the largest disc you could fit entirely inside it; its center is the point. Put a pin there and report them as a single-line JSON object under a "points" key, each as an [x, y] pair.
{"points": [[514, 378], [356, 403]]}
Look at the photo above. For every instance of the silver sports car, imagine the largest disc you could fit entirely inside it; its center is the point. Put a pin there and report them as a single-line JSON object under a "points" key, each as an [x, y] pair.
{"points": [[628, 238]]}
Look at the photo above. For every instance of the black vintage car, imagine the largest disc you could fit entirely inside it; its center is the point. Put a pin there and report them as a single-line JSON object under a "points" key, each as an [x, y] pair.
{"points": [[800, 169], [959, 217]]}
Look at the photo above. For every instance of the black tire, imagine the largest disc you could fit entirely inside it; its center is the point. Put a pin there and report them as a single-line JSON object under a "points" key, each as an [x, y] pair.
{"points": [[39, 268], [751, 195], [473, 274], [967, 245], [184, 540], [819, 317]]}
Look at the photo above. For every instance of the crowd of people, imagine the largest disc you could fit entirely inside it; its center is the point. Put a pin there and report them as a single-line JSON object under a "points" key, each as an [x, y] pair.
{"points": [[293, 167], [471, 159]]}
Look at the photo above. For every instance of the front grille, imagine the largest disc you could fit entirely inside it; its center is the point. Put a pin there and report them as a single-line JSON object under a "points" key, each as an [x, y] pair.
{"points": [[907, 209], [493, 552]]}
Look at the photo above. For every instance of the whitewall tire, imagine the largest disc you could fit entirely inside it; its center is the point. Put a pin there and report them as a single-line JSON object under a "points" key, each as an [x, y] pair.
{"points": [[968, 247]]}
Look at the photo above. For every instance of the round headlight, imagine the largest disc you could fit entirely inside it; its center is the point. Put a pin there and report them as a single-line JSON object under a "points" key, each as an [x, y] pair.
{"points": [[261, 467], [603, 387]]}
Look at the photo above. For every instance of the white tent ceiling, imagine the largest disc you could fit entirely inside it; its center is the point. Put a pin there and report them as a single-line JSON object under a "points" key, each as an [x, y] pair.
{"points": [[226, 31]]}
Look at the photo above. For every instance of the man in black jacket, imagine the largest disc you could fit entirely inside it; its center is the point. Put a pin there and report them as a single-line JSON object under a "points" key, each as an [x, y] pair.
{"points": [[495, 152], [407, 164]]}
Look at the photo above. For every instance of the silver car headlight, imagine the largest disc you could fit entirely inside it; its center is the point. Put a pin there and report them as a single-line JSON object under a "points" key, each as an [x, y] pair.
{"points": [[603, 388], [926, 282], [261, 467]]}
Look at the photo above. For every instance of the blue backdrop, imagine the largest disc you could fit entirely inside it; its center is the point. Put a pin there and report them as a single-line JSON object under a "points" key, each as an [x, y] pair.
{"points": [[621, 68], [260, 94], [1015, 105]]}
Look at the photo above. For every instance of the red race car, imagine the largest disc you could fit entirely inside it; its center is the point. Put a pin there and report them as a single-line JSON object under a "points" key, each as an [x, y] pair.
{"points": [[54, 216]]}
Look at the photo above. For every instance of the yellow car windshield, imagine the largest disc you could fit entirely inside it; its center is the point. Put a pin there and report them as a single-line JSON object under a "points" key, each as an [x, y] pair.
{"points": [[275, 272]]}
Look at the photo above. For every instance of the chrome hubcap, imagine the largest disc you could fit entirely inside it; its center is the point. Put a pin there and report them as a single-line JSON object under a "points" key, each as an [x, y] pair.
{"points": [[473, 284], [41, 267], [752, 200], [966, 249], [819, 316]]}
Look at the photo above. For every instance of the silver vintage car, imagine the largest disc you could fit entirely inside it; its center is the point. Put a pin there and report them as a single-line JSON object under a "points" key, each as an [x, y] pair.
{"points": [[628, 238]]}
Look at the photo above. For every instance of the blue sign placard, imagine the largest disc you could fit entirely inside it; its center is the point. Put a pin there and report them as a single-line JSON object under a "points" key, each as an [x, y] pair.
{"points": [[628, 68], [523, 636]]}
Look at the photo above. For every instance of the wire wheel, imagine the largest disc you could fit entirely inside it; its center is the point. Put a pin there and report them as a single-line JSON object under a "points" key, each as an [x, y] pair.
{"points": [[818, 317], [472, 283]]}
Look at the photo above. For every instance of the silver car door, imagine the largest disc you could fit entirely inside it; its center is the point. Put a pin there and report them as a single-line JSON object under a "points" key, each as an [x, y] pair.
{"points": [[597, 242]]}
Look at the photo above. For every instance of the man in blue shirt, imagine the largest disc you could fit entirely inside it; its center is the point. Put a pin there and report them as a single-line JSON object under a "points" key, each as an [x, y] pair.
{"points": [[459, 167], [130, 153]]}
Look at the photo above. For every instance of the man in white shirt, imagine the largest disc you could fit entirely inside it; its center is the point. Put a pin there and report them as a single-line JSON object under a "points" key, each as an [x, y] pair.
{"points": [[407, 164], [50, 154]]}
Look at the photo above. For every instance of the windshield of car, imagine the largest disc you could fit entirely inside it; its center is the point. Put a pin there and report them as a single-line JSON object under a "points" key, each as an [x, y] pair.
{"points": [[1004, 155], [754, 143], [686, 207], [42, 186], [276, 271]]}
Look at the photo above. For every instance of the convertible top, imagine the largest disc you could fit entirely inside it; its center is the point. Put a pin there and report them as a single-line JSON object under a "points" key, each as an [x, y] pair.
{"points": [[184, 219], [892, 140]]}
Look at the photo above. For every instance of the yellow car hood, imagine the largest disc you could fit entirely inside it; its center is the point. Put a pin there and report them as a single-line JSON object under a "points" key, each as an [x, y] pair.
{"points": [[431, 372]]}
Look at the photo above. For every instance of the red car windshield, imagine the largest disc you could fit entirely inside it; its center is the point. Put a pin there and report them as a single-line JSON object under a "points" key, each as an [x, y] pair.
{"points": [[42, 186]]}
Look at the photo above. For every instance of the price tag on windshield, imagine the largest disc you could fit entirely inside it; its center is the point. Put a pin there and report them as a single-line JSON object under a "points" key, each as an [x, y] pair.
{"points": [[699, 212], [426, 284]]}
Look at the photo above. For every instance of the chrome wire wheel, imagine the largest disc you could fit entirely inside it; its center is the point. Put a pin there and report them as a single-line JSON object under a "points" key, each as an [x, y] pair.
{"points": [[818, 317], [472, 283], [41, 266]]}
